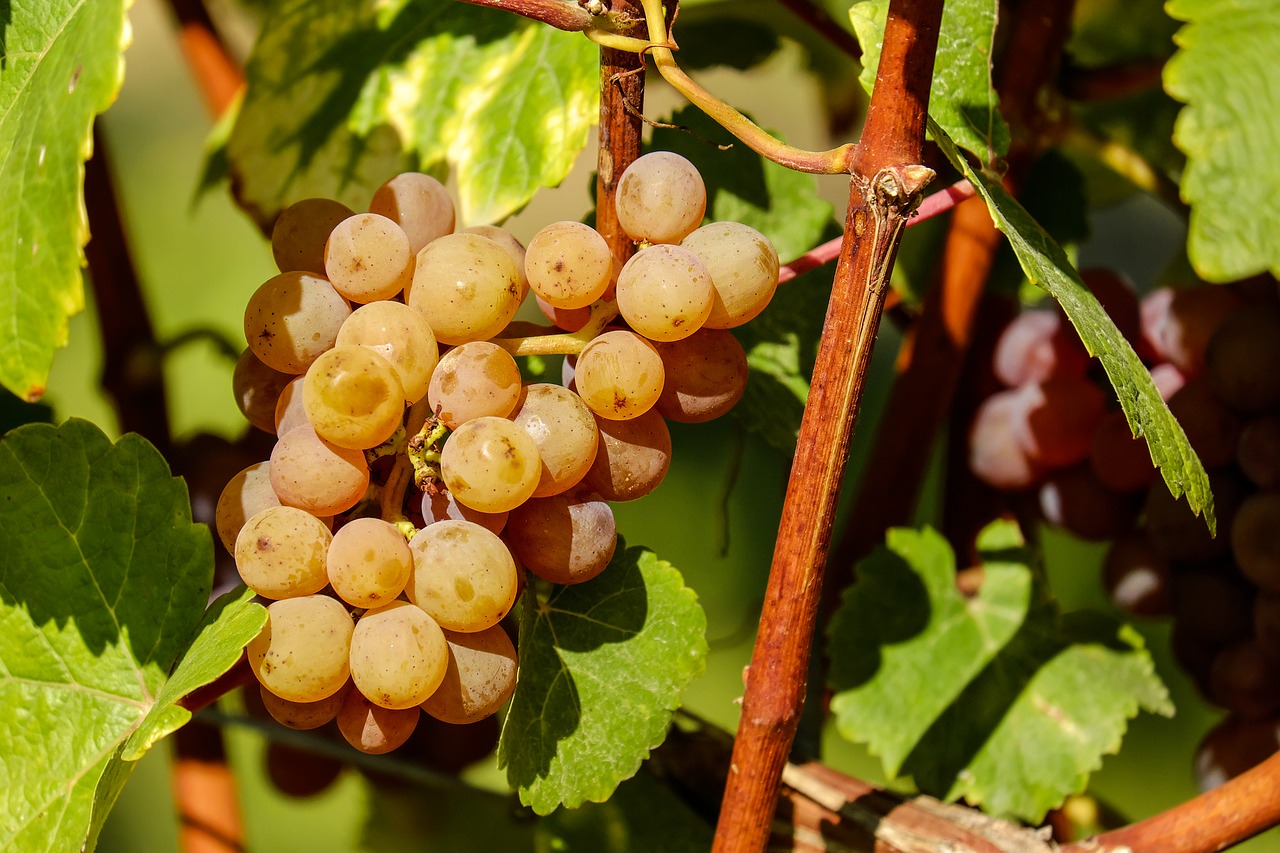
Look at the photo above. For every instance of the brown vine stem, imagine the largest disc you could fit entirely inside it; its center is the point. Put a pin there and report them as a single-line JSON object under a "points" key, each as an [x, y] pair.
{"points": [[886, 187], [216, 72], [1215, 820], [561, 14]]}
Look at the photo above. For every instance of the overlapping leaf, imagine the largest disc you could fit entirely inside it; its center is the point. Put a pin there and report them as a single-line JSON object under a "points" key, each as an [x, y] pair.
{"points": [[1047, 266], [961, 99], [103, 585], [602, 665], [60, 65], [998, 698], [1225, 72], [344, 94]]}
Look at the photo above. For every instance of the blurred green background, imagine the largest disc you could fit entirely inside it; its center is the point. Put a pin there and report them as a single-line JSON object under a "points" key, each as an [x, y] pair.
{"points": [[200, 259]]}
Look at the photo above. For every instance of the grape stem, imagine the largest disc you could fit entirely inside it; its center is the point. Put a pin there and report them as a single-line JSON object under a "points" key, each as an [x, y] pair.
{"points": [[521, 338], [423, 457], [391, 499]]}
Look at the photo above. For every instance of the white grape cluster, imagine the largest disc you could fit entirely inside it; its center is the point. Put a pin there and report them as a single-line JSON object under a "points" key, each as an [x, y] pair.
{"points": [[382, 606]]}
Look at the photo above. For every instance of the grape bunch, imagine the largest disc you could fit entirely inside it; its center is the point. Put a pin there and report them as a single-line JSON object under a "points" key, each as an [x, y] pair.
{"points": [[415, 476], [1214, 354]]}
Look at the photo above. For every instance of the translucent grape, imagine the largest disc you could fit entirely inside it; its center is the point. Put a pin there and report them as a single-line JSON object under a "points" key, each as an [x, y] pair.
{"points": [[300, 232], [568, 264], [441, 506], [566, 538], [1037, 346], [705, 375], [568, 319], [466, 286], [373, 729], [480, 679], [312, 474], [353, 397], [1177, 324], [998, 438], [368, 562], [619, 375], [256, 388], [292, 318], [1062, 415], [661, 198], [506, 240], [302, 715], [399, 334], [301, 654], [564, 431], [665, 293], [632, 457], [419, 204], [744, 271], [280, 552], [398, 655], [490, 464], [290, 411], [462, 575], [475, 380], [368, 258], [245, 495]]}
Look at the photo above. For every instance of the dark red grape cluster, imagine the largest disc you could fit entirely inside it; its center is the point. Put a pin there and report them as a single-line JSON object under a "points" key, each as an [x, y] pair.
{"points": [[1054, 432]]}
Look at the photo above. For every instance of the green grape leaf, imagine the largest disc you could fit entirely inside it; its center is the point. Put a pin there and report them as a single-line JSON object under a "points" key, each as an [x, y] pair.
{"points": [[602, 665], [962, 98], [103, 585], [342, 95], [60, 65], [1224, 71], [1047, 266], [742, 186], [644, 815], [998, 698]]}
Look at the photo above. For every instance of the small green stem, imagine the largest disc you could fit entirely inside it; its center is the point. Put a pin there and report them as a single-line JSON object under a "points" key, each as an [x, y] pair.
{"points": [[424, 453], [835, 161], [391, 498], [521, 338]]}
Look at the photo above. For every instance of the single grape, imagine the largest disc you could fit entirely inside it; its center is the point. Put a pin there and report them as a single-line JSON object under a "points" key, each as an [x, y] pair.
{"points": [[466, 286], [480, 679], [1234, 746], [997, 441], [419, 204], [257, 388], [373, 729], [1167, 379], [632, 457], [1177, 324], [399, 334], [1243, 359], [300, 232], [398, 655], [475, 380], [1037, 346], [1212, 429], [1061, 419], [568, 264], [291, 319], [743, 266], [367, 258], [353, 397], [313, 474], [665, 292], [1255, 542], [704, 376], [619, 375], [301, 654], [290, 410], [245, 495], [506, 240], [1136, 575], [1120, 460], [564, 431], [302, 715], [441, 506], [280, 552], [462, 575], [566, 538], [490, 464], [368, 562], [568, 319], [1074, 499], [300, 773], [661, 198]]}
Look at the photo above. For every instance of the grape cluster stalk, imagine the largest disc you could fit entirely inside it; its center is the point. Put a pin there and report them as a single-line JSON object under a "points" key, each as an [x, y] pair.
{"points": [[416, 477], [1051, 435]]}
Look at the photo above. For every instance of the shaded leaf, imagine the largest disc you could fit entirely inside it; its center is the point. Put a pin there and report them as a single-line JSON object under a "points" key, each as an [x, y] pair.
{"points": [[602, 665], [997, 698], [60, 65], [962, 98], [642, 816], [343, 95], [1109, 32], [103, 585], [1047, 266], [1224, 71]]}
